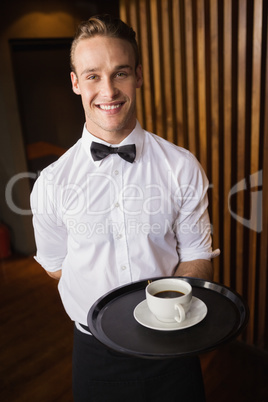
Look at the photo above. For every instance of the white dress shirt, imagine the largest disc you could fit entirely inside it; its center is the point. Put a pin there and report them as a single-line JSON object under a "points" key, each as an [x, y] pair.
{"points": [[110, 222]]}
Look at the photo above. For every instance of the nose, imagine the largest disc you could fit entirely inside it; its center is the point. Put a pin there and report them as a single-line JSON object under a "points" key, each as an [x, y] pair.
{"points": [[108, 88]]}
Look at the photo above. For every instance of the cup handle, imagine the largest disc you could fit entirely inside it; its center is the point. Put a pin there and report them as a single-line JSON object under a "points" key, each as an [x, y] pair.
{"points": [[181, 316]]}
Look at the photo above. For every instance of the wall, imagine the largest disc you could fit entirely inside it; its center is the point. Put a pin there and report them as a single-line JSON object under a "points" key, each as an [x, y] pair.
{"points": [[206, 88]]}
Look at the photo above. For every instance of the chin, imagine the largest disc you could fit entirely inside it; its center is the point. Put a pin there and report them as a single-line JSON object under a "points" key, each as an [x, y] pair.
{"points": [[119, 126]]}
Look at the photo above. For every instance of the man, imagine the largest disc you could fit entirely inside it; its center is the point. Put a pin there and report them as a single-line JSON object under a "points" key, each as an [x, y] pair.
{"points": [[103, 220]]}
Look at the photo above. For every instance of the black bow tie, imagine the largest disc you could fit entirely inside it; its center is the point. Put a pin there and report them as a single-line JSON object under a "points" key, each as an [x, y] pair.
{"points": [[100, 151]]}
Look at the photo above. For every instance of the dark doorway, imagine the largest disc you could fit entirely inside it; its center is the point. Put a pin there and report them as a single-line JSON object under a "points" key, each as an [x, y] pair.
{"points": [[51, 114]]}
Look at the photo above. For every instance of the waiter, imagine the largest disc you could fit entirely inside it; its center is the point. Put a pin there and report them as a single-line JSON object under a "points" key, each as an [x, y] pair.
{"points": [[120, 206]]}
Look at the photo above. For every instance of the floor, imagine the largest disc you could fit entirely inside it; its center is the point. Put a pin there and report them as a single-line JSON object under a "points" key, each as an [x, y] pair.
{"points": [[36, 346]]}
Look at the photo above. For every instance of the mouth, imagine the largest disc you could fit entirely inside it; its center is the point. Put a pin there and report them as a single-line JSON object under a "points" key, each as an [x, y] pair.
{"points": [[114, 107]]}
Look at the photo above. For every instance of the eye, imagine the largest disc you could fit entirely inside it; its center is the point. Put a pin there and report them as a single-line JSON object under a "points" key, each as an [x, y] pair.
{"points": [[92, 77], [121, 74]]}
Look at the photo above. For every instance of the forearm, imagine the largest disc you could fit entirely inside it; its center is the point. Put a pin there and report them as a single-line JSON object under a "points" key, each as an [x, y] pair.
{"points": [[197, 269], [55, 275]]}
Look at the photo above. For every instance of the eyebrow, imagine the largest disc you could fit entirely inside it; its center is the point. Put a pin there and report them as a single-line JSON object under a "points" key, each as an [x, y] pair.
{"points": [[121, 67], [94, 69]]}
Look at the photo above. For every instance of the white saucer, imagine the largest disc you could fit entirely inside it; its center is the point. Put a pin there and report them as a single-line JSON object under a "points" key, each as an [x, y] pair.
{"points": [[197, 313]]}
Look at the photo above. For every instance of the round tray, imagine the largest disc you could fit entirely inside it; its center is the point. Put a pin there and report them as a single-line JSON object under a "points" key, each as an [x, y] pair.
{"points": [[111, 321]]}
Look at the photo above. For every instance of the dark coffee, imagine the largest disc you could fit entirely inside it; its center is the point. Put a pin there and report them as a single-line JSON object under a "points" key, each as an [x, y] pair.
{"points": [[168, 294]]}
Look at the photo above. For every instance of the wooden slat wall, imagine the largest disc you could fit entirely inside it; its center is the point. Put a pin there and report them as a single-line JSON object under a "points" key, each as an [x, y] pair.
{"points": [[205, 66]]}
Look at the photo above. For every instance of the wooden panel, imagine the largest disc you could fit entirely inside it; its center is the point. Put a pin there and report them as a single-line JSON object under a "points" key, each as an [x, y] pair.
{"points": [[254, 157], [205, 88], [227, 136], [262, 333], [188, 16], [241, 135], [157, 51], [201, 82], [168, 64], [214, 125], [180, 131], [146, 60], [133, 11]]}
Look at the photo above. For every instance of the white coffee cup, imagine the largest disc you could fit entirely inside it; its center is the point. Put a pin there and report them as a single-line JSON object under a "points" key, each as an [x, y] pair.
{"points": [[163, 302]]}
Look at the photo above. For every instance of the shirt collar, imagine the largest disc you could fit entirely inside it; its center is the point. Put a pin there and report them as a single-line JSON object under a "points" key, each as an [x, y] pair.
{"points": [[135, 137]]}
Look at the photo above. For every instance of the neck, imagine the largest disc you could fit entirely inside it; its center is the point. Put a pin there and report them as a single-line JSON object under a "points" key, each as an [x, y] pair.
{"points": [[111, 137]]}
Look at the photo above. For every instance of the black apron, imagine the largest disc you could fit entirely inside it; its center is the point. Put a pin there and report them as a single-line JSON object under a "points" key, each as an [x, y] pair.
{"points": [[103, 375]]}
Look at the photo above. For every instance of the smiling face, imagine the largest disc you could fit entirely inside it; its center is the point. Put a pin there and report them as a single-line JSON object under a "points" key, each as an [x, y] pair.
{"points": [[106, 78]]}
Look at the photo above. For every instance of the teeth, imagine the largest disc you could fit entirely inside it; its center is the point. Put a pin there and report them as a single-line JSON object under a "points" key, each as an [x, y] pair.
{"points": [[109, 107]]}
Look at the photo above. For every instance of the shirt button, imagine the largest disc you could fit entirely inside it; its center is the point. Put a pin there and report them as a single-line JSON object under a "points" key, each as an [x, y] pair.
{"points": [[123, 267], [117, 205], [119, 236], [116, 172]]}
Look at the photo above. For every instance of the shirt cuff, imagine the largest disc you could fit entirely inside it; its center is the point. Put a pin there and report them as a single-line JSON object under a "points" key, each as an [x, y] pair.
{"points": [[190, 255]]}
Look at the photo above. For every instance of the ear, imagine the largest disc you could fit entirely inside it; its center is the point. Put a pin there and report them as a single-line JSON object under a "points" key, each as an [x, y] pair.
{"points": [[139, 77], [75, 84]]}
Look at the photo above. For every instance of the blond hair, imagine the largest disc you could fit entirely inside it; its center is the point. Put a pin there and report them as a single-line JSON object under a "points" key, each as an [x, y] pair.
{"points": [[104, 25]]}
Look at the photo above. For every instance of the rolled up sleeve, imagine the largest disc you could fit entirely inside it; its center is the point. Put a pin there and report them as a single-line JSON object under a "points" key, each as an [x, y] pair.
{"points": [[49, 230], [192, 227]]}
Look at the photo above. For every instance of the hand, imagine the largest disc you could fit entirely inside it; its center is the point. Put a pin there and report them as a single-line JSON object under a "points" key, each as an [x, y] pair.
{"points": [[55, 275]]}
